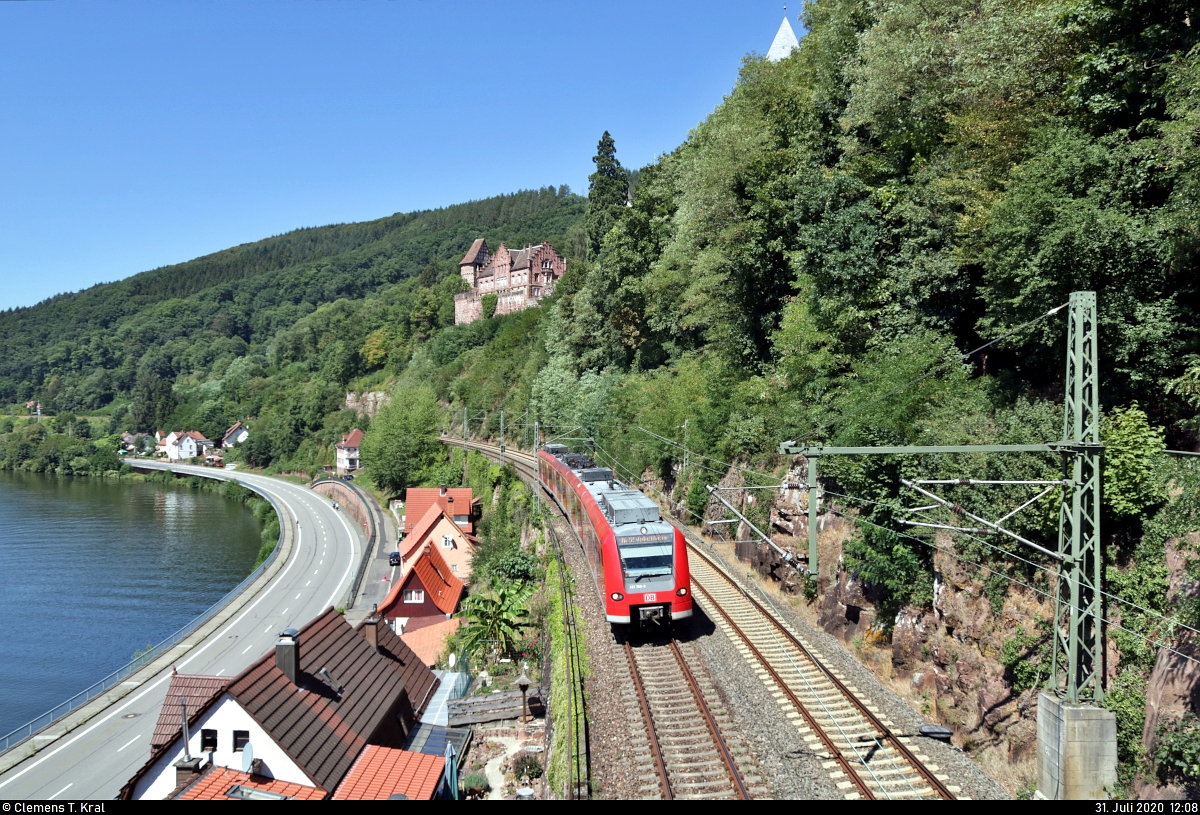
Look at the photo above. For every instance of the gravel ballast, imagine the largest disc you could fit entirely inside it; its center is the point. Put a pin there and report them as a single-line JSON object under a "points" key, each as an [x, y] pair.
{"points": [[778, 756]]}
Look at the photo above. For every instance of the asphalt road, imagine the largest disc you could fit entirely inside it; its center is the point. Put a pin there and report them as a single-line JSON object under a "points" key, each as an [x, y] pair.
{"points": [[96, 761]]}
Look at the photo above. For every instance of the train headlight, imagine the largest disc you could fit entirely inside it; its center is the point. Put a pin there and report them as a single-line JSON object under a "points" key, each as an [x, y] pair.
{"points": [[616, 595], [682, 592]]}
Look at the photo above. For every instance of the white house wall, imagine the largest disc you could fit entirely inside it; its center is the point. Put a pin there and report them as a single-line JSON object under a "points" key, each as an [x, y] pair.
{"points": [[225, 716]]}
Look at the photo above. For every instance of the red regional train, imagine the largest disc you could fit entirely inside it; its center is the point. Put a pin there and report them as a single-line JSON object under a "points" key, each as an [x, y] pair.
{"points": [[639, 561]]}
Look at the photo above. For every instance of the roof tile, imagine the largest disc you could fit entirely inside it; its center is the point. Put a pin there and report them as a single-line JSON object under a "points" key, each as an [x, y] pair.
{"points": [[215, 785], [427, 642], [417, 502], [196, 692], [443, 587], [381, 772]]}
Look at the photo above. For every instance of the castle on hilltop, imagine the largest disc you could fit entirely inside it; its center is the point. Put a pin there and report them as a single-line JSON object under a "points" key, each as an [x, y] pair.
{"points": [[518, 279]]}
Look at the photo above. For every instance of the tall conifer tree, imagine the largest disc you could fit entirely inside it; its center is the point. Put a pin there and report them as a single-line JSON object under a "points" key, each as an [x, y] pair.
{"points": [[607, 191]]}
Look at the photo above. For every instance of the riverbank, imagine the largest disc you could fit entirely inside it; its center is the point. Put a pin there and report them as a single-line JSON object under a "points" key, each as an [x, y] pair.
{"points": [[97, 569]]}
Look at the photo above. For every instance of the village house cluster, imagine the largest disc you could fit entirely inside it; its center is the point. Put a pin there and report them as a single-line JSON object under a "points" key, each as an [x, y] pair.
{"points": [[518, 279], [435, 552], [337, 712], [185, 445]]}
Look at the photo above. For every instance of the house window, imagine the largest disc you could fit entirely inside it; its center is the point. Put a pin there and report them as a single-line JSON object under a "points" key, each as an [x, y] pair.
{"points": [[454, 567], [240, 739], [414, 596], [447, 542], [208, 741]]}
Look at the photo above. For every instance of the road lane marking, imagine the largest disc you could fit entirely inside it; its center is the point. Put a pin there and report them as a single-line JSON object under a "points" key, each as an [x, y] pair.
{"points": [[285, 611], [309, 583], [248, 647], [131, 741], [298, 595], [350, 564], [218, 673], [60, 792]]}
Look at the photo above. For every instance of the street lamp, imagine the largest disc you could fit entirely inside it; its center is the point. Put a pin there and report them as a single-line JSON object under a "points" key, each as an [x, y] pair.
{"points": [[523, 683]]}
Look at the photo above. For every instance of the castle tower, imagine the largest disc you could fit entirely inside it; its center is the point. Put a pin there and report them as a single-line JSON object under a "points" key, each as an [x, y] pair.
{"points": [[475, 259]]}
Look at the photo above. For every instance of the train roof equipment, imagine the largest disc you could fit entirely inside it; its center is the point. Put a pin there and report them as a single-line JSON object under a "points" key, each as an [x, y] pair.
{"points": [[629, 507]]}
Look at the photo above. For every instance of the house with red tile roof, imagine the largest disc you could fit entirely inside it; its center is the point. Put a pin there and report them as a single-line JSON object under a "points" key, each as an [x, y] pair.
{"points": [[437, 529], [348, 457], [182, 445], [457, 502], [304, 712], [381, 773], [427, 594], [429, 642], [235, 435]]}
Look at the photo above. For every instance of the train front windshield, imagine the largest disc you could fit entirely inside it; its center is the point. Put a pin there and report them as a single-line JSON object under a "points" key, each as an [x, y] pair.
{"points": [[646, 561]]}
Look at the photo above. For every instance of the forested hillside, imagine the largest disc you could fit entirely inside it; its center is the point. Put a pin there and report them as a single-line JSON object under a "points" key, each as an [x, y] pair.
{"points": [[272, 330]]}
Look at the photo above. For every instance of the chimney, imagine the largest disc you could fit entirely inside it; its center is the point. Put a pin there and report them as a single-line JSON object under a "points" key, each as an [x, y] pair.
{"points": [[187, 770], [441, 490], [371, 629], [287, 655]]}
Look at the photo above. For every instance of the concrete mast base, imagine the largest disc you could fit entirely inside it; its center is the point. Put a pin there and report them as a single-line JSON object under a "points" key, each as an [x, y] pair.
{"points": [[1077, 750]]}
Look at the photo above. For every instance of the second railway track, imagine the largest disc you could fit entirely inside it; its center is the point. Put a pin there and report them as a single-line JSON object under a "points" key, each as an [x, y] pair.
{"points": [[863, 756]]}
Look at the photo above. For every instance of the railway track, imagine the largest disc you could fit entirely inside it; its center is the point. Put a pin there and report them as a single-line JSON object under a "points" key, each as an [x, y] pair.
{"points": [[690, 754], [862, 754], [866, 759]]}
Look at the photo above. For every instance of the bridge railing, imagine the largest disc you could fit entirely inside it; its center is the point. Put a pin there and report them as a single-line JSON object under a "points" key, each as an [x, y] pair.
{"points": [[80, 699]]}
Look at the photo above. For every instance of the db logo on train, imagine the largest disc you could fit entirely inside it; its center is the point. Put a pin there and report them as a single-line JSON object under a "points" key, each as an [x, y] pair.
{"points": [[650, 598]]}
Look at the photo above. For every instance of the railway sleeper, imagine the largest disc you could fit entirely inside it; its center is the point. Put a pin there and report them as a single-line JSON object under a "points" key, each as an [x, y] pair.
{"points": [[696, 796], [705, 776]]}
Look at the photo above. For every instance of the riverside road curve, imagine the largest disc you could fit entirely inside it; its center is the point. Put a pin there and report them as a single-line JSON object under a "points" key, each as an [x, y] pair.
{"points": [[98, 755]]}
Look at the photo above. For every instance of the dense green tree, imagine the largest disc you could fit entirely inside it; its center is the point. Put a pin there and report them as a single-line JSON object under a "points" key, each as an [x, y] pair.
{"points": [[488, 305], [402, 445], [608, 189]]}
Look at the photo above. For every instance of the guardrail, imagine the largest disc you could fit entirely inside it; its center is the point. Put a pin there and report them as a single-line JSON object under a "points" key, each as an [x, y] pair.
{"points": [[27, 730], [374, 530]]}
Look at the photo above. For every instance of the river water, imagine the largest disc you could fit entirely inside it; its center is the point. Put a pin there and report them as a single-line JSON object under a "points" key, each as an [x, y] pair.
{"points": [[91, 570]]}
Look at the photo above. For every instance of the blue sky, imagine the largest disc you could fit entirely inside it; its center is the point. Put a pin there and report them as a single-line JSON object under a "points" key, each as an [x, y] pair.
{"points": [[138, 134]]}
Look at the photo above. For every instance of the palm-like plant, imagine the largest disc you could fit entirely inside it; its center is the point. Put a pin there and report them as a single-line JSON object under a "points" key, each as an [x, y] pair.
{"points": [[496, 621]]}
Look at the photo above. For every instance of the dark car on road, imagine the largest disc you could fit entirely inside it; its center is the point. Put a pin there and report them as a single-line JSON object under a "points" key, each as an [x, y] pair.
{"points": [[394, 558]]}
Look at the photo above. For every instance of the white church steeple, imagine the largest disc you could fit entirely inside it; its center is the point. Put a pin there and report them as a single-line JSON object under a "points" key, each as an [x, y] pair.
{"points": [[785, 41]]}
